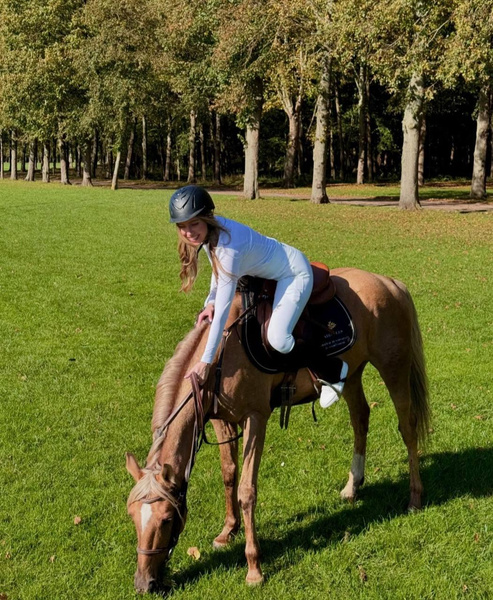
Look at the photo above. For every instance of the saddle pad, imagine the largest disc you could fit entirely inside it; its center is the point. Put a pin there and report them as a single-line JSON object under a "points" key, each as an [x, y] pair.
{"points": [[331, 333]]}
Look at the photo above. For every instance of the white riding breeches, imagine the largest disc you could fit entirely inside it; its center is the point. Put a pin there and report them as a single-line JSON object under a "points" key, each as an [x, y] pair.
{"points": [[292, 294]]}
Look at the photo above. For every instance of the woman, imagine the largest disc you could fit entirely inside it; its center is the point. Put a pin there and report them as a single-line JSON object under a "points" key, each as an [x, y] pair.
{"points": [[235, 250]]}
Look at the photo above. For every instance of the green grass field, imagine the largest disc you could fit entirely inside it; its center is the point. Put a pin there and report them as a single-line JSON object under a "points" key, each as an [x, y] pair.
{"points": [[89, 313]]}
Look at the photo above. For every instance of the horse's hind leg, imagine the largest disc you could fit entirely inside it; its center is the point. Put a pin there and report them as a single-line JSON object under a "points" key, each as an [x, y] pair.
{"points": [[359, 413], [397, 382], [229, 468]]}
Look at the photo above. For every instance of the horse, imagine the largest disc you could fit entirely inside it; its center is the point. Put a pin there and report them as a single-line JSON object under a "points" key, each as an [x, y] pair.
{"points": [[387, 336]]}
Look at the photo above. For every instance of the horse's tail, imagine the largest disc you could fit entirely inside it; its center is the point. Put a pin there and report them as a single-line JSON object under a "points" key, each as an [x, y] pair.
{"points": [[418, 378]]}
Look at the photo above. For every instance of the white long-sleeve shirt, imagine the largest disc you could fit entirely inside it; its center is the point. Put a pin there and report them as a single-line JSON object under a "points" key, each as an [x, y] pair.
{"points": [[242, 251]]}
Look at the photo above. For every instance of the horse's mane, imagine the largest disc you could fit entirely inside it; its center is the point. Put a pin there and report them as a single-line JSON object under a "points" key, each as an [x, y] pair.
{"points": [[171, 378]]}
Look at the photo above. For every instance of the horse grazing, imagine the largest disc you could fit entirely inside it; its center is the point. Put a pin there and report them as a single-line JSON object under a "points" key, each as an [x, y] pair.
{"points": [[388, 337]]}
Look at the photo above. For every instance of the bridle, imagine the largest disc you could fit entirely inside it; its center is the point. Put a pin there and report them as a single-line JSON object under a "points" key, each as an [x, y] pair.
{"points": [[181, 502]]}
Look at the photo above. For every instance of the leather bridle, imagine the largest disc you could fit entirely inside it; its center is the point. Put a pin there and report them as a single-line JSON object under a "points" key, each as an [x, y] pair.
{"points": [[181, 502]]}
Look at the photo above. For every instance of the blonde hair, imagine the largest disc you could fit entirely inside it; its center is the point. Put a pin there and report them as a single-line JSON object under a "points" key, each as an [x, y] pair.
{"points": [[189, 254]]}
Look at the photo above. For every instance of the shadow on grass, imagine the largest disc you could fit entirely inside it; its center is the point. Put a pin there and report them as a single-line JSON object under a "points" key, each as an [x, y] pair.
{"points": [[445, 476]]}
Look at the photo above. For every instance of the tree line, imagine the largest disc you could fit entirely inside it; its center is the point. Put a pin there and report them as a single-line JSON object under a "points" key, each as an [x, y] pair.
{"points": [[298, 89]]}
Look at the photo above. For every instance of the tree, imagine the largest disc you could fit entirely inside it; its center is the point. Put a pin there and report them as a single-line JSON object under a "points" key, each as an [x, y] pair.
{"points": [[469, 55], [406, 40], [319, 192]]}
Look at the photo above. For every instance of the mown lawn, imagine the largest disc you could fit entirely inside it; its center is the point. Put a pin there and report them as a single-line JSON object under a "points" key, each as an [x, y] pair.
{"points": [[89, 313]]}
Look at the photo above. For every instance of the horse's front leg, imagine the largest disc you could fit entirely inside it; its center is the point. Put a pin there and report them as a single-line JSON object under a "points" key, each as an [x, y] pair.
{"points": [[253, 444], [229, 467]]}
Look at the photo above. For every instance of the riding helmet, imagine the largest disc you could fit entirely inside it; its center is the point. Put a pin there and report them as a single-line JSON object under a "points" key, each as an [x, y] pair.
{"points": [[189, 202]]}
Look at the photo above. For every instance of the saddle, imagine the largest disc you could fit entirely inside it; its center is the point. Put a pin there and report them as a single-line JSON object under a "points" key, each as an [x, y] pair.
{"points": [[324, 330]]}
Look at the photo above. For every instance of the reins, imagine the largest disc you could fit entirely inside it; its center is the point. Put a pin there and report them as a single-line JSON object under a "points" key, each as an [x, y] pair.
{"points": [[199, 436]]}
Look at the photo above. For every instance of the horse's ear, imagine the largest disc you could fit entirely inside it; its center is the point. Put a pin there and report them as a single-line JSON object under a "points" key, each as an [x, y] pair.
{"points": [[167, 474], [133, 466]]}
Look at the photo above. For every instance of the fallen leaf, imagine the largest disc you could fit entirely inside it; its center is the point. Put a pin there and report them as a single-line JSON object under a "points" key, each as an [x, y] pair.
{"points": [[453, 406], [376, 469], [8, 555], [479, 417], [77, 520], [362, 573], [373, 404], [465, 588], [194, 552], [476, 537], [4, 597], [52, 558]]}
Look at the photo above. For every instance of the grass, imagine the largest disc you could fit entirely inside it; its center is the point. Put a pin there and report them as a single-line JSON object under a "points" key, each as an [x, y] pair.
{"points": [[89, 313]]}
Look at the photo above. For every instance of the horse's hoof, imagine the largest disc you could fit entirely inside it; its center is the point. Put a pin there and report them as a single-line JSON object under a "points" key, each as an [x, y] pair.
{"points": [[218, 544], [223, 540], [348, 496], [254, 580]]}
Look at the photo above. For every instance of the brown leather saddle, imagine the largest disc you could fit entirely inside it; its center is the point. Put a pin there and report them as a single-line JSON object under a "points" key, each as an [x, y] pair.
{"points": [[324, 330]]}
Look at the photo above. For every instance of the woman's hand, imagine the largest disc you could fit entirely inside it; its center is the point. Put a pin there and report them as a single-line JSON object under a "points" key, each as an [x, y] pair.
{"points": [[202, 370], [206, 315]]}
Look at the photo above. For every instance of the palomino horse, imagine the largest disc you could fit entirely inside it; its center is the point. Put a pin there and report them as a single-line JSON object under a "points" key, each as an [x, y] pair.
{"points": [[388, 336]]}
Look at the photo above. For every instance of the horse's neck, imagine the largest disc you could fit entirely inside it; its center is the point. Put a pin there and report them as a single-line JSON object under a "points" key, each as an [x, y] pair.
{"points": [[175, 447]]}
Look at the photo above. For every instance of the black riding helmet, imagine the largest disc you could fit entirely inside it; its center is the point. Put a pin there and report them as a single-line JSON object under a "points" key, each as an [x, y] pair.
{"points": [[189, 202]]}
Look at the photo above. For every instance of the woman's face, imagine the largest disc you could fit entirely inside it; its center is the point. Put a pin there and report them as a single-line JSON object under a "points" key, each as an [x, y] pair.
{"points": [[194, 231]]}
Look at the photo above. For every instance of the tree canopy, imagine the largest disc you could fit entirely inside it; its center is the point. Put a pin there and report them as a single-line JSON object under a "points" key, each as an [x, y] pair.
{"points": [[206, 81]]}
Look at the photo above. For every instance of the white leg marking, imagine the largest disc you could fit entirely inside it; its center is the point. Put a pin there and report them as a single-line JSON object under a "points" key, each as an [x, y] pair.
{"points": [[145, 515], [355, 477]]}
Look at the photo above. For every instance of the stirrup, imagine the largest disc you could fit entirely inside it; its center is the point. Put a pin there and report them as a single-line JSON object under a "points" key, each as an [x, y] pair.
{"points": [[331, 393]]}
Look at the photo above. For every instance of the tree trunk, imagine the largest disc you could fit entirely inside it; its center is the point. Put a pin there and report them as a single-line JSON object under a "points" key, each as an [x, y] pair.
{"points": [[45, 170], [86, 170], [478, 182], [13, 154], [369, 145], [339, 131], [292, 108], [217, 150], [409, 197], [64, 173], [130, 150], [53, 162], [78, 161], [95, 148], [421, 157], [32, 158], [144, 148], [191, 148], [23, 159], [167, 165], [178, 170], [109, 162], [203, 166], [361, 85], [319, 181], [114, 181], [252, 138]]}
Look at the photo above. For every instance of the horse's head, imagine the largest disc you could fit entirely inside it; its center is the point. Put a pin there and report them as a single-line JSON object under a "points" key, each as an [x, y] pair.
{"points": [[157, 506]]}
